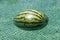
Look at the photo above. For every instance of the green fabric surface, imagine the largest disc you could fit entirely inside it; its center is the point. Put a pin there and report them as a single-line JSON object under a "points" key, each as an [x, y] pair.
{"points": [[10, 8]]}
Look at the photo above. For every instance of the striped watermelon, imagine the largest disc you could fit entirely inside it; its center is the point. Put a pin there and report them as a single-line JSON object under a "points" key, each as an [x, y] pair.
{"points": [[30, 19]]}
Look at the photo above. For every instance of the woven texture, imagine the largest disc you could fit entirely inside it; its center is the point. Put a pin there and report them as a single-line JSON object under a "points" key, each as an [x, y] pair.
{"points": [[10, 8]]}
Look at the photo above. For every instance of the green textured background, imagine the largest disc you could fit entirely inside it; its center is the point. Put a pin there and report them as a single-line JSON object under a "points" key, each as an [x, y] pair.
{"points": [[10, 8]]}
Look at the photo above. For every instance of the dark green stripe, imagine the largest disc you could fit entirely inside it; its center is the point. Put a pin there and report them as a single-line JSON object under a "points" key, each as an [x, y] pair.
{"points": [[36, 19], [26, 22], [37, 16], [19, 18], [35, 12]]}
